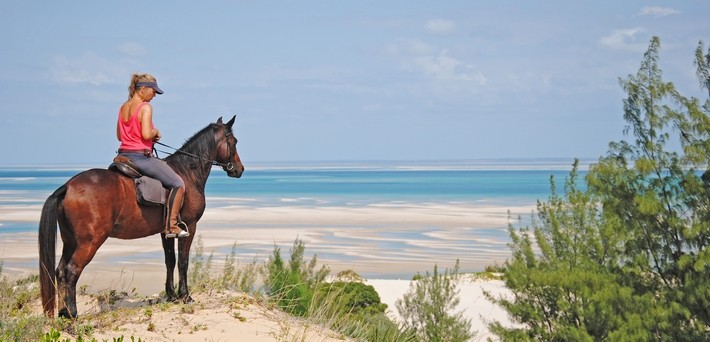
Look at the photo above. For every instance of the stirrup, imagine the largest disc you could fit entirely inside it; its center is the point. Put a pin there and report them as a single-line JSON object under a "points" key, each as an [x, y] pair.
{"points": [[183, 231], [181, 234]]}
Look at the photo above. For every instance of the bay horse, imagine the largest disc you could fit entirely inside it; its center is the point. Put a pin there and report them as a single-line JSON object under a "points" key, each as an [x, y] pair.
{"points": [[98, 203]]}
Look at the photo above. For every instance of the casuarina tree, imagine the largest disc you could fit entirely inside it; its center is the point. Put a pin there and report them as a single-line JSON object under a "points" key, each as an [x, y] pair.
{"points": [[626, 257]]}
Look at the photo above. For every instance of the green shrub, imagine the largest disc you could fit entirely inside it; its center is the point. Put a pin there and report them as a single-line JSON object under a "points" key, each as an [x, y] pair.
{"points": [[233, 277], [355, 299], [351, 308], [354, 309], [292, 286], [427, 308]]}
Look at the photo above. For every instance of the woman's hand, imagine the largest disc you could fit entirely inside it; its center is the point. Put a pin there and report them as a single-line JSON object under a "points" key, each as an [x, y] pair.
{"points": [[156, 135]]}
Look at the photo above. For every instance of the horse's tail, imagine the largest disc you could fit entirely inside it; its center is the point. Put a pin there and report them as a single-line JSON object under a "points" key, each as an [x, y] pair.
{"points": [[47, 246]]}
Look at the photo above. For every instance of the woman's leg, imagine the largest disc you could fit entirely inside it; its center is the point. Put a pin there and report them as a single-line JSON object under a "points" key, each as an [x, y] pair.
{"points": [[158, 169]]}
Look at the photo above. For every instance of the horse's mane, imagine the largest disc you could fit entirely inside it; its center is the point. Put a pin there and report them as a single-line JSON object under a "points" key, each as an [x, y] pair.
{"points": [[199, 144]]}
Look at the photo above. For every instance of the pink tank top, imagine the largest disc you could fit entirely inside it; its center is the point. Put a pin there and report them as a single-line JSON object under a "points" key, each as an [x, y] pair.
{"points": [[130, 132]]}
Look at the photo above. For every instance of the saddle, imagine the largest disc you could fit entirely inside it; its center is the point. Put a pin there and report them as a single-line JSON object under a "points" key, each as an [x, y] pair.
{"points": [[150, 191]]}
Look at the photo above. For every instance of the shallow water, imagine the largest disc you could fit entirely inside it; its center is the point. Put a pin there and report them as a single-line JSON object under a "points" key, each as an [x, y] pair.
{"points": [[383, 219]]}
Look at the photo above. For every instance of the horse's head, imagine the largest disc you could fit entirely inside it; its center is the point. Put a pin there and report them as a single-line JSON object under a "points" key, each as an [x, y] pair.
{"points": [[227, 154]]}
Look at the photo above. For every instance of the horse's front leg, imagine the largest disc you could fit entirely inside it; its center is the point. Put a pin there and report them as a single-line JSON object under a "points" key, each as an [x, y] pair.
{"points": [[169, 251], [183, 262]]}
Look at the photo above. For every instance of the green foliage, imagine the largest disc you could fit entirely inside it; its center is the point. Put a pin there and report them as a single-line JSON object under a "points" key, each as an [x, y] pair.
{"points": [[349, 307], [17, 321], [352, 298], [355, 310], [55, 336], [562, 274], [292, 285], [236, 277], [660, 202], [428, 308], [199, 275], [375, 328], [348, 276], [495, 268], [627, 258], [702, 64]]}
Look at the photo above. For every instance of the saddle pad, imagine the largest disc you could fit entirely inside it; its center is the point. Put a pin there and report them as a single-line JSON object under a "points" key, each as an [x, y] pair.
{"points": [[150, 191]]}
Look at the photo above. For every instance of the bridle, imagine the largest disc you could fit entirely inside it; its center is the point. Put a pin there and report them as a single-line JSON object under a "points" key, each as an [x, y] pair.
{"points": [[229, 166]]}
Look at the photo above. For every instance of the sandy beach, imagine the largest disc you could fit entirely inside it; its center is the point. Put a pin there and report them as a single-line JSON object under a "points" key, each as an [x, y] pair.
{"points": [[386, 244], [379, 241]]}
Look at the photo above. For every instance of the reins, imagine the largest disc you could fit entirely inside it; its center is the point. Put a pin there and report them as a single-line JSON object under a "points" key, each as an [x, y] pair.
{"points": [[228, 166]]}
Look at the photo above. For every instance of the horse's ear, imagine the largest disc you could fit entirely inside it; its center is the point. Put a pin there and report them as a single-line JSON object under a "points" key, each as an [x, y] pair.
{"points": [[219, 121], [231, 122]]}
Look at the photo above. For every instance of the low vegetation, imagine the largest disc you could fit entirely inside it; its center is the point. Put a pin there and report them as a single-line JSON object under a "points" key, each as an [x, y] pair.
{"points": [[350, 307], [18, 320], [299, 287], [428, 309]]}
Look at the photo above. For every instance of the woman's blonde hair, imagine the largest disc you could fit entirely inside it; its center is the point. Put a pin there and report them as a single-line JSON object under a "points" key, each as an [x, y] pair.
{"points": [[135, 78]]}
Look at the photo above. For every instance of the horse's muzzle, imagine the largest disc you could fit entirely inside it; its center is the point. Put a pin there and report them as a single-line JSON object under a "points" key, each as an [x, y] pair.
{"points": [[233, 170]]}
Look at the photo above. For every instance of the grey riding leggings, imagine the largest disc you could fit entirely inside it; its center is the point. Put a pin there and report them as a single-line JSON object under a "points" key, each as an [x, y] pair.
{"points": [[155, 168]]}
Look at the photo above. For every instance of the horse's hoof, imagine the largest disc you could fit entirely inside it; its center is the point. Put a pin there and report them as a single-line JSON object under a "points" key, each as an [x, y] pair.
{"points": [[188, 300], [170, 296], [64, 313]]}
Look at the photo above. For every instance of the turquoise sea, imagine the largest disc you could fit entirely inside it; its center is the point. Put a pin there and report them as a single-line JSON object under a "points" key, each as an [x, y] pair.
{"points": [[495, 182], [382, 219]]}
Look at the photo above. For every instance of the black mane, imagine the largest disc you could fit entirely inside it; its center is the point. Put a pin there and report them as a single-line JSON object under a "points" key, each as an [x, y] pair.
{"points": [[201, 144]]}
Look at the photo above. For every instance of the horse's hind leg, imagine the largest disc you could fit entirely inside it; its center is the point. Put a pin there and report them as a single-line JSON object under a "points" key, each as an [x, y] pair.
{"points": [[68, 248], [169, 251], [72, 271]]}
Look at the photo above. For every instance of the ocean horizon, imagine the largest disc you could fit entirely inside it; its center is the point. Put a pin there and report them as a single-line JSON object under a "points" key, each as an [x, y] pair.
{"points": [[550, 163]]}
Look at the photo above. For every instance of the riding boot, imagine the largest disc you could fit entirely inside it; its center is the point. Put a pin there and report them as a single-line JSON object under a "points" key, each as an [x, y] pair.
{"points": [[174, 227]]}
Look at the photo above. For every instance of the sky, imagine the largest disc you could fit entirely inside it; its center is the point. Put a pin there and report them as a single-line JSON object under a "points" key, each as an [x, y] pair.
{"points": [[337, 80]]}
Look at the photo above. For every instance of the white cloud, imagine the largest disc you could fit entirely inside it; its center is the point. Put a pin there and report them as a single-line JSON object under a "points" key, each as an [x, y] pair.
{"points": [[444, 67], [439, 26], [88, 68], [657, 11], [423, 58], [625, 39]]}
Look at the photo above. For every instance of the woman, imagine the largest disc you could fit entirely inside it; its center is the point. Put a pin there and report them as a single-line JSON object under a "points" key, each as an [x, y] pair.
{"points": [[136, 132]]}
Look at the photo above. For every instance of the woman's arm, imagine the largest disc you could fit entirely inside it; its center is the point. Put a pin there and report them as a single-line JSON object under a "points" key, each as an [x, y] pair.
{"points": [[147, 130]]}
